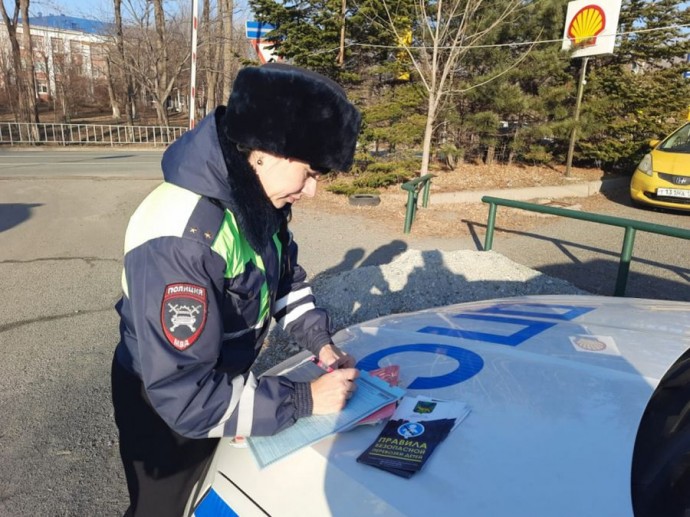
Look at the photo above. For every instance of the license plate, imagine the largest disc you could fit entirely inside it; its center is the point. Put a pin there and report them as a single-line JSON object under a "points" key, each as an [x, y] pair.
{"points": [[673, 192]]}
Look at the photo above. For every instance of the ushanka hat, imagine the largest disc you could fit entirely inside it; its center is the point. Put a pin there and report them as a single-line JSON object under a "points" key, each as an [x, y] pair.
{"points": [[294, 113]]}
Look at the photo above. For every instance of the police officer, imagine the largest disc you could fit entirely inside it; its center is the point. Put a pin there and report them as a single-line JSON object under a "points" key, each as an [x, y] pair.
{"points": [[208, 261]]}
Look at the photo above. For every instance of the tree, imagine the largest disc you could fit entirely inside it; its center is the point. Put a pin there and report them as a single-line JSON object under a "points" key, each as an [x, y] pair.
{"points": [[162, 86], [8, 98], [307, 33], [28, 68], [208, 46], [639, 92], [155, 51], [395, 116], [120, 61], [532, 102], [226, 8], [25, 91], [70, 84], [444, 32]]}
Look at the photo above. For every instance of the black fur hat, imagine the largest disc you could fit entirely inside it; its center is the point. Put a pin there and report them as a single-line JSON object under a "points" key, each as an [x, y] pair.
{"points": [[294, 113]]}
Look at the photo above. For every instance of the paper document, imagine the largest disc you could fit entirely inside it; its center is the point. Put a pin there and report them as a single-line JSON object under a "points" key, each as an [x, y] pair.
{"points": [[302, 367], [389, 374], [371, 394]]}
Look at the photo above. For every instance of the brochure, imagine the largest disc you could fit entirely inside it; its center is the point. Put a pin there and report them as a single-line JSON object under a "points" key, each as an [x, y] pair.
{"points": [[418, 425], [403, 447]]}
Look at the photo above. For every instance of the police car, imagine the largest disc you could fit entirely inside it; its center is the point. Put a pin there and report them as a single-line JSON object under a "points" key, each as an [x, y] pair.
{"points": [[579, 406]]}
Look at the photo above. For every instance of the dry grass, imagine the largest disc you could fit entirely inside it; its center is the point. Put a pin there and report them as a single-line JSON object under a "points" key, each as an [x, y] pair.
{"points": [[461, 219]]}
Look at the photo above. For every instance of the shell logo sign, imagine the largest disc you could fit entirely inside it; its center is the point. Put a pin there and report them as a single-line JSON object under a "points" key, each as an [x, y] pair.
{"points": [[590, 27], [586, 25]]}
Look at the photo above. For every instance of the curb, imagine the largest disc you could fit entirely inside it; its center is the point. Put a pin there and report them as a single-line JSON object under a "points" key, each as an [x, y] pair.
{"points": [[522, 194], [583, 189]]}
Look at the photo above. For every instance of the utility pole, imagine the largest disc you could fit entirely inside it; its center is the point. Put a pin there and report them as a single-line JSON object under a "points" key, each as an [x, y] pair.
{"points": [[192, 78]]}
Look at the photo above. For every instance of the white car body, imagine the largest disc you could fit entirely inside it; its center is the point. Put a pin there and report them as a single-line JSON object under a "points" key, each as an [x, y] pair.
{"points": [[557, 387]]}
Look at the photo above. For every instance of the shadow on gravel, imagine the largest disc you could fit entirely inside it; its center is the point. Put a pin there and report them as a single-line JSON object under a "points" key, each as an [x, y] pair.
{"points": [[14, 214], [413, 281], [383, 255]]}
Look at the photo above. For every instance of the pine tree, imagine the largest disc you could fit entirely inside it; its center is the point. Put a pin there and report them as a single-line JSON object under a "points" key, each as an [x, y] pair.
{"points": [[639, 92]]}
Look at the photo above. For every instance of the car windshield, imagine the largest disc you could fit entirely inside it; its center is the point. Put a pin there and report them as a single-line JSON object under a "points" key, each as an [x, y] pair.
{"points": [[678, 142]]}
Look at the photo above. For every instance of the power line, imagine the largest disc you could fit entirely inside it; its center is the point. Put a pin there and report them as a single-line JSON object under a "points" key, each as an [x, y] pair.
{"points": [[511, 45]]}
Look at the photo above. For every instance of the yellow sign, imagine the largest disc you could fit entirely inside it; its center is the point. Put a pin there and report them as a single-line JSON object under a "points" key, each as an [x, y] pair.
{"points": [[404, 40]]}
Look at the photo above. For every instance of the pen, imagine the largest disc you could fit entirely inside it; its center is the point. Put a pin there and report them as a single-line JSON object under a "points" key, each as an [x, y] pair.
{"points": [[321, 365]]}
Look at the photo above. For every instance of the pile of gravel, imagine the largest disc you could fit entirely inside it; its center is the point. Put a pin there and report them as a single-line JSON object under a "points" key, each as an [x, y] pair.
{"points": [[416, 280]]}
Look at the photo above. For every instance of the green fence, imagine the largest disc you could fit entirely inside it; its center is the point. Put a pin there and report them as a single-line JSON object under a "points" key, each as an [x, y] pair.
{"points": [[630, 225], [413, 187]]}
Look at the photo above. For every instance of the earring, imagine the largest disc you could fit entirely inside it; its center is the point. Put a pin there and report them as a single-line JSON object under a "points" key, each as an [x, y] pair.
{"points": [[260, 161]]}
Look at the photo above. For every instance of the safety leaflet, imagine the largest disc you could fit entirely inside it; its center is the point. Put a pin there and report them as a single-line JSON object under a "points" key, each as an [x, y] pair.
{"points": [[415, 430]]}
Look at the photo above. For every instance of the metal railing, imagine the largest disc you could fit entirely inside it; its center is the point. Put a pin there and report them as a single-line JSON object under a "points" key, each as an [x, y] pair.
{"points": [[630, 225], [413, 187], [23, 133]]}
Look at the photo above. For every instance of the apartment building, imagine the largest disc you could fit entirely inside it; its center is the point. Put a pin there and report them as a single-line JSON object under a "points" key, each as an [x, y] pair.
{"points": [[62, 46]]}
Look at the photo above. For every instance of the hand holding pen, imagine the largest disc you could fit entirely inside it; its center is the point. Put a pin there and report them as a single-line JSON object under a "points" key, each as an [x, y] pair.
{"points": [[331, 356], [331, 392]]}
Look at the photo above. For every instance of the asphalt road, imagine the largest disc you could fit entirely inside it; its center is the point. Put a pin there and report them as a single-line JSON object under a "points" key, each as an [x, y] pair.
{"points": [[588, 254], [62, 221]]}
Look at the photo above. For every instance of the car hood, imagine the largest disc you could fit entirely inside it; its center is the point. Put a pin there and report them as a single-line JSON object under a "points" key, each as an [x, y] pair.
{"points": [[556, 396], [671, 163]]}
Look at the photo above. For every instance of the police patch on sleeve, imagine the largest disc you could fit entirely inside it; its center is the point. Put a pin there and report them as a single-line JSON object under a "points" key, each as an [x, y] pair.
{"points": [[183, 314]]}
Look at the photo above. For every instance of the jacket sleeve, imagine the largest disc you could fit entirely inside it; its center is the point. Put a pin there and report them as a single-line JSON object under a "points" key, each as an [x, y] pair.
{"points": [[295, 309], [175, 288]]}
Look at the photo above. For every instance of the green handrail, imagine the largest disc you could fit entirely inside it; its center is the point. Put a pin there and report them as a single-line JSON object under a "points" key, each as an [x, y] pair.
{"points": [[413, 187], [630, 225]]}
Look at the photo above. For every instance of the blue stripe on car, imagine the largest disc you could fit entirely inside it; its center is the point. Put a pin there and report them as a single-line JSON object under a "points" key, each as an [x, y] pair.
{"points": [[213, 506]]}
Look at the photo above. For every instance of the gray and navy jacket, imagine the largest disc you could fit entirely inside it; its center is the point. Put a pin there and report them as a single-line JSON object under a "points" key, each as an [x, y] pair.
{"points": [[197, 303]]}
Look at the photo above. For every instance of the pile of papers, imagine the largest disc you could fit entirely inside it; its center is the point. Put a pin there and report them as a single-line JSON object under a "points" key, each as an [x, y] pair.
{"points": [[417, 427], [372, 394]]}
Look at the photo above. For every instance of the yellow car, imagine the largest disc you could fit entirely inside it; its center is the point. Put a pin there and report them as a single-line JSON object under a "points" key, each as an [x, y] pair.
{"points": [[663, 176]]}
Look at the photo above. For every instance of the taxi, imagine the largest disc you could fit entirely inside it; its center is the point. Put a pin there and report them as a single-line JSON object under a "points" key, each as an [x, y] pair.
{"points": [[662, 178]]}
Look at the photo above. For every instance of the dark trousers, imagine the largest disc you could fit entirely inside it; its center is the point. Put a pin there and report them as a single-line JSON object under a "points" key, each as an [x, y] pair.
{"points": [[161, 466]]}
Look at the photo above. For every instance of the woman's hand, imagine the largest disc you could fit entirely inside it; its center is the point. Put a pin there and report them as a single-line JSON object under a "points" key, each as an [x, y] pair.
{"points": [[331, 391], [333, 357]]}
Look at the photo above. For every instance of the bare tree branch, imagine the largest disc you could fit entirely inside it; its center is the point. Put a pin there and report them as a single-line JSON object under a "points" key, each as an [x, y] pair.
{"points": [[448, 35]]}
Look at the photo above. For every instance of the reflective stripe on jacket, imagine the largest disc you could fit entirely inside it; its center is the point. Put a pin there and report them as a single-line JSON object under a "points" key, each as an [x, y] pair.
{"points": [[195, 311]]}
